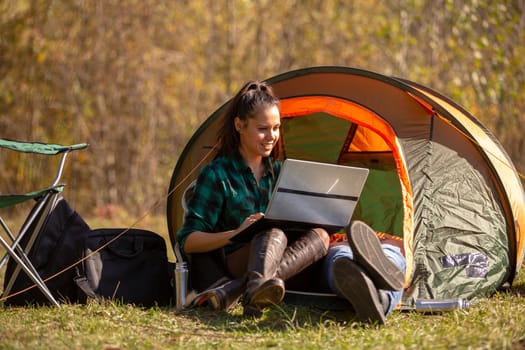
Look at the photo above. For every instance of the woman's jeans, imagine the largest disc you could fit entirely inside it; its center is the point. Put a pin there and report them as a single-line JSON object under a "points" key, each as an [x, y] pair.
{"points": [[344, 251]]}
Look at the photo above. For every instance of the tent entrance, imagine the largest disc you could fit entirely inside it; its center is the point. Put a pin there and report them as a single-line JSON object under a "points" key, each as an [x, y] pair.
{"points": [[319, 134]]}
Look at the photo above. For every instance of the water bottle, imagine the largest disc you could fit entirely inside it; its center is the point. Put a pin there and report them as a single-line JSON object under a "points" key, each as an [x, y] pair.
{"points": [[181, 284], [440, 305]]}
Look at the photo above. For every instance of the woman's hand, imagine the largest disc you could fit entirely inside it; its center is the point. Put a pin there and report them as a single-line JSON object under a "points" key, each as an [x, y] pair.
{"points": [[249, 221], [201, 242]]}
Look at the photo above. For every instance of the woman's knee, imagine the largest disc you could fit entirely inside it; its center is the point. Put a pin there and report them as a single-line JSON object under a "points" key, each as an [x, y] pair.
{"points": [[323, 236], [270, 232], [279, 234]]}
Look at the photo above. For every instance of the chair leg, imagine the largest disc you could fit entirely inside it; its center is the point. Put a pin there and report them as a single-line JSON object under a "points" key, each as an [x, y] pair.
{"points": [[11, 237], [17, 253], [41, 210], [31, 273]]}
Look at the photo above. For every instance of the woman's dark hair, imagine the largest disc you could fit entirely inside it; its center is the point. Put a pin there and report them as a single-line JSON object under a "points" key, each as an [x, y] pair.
{"points": [[252, 98]]}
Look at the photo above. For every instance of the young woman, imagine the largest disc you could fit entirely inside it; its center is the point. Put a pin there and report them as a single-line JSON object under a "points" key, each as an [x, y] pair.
{"points": [[232, 192]]}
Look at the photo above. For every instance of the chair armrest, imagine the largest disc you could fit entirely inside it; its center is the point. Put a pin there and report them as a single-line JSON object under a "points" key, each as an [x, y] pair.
{"points": [[39, 147], [7, 200]]}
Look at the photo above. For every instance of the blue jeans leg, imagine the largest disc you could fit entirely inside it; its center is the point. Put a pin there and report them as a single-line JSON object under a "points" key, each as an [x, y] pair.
{"points": [[344, 251]]}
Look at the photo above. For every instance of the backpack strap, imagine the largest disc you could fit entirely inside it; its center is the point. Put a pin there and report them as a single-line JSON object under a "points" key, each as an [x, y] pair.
{"points": [[83, 283]]}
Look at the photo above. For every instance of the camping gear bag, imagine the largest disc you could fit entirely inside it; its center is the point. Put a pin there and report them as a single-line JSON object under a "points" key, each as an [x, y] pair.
{"points": [[53, 251], [127, 265]]}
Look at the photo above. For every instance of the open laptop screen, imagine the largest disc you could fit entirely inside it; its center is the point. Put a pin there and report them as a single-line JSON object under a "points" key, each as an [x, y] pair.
{"points": [[311, 194], [319, 193]]}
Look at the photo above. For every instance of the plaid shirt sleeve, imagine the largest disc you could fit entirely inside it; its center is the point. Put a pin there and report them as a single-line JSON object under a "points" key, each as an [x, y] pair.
{"points": [[199, 216], [226, 192]]}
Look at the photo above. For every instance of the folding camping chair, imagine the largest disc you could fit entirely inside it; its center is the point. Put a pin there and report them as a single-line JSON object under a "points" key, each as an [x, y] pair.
{"points": [[46, 199]]}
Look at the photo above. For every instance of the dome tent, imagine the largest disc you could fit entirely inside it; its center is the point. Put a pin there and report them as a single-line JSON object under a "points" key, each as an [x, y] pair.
{"points": [[438, 178]]}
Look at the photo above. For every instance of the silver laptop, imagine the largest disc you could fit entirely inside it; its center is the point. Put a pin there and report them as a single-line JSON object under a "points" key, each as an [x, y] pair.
{"points": [[310, 194]]}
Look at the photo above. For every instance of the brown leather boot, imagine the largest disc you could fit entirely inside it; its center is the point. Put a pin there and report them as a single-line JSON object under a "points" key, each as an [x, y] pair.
{"points": [[262, 288], [226, 295], [370, 256], [369, 303], [303, 252]]}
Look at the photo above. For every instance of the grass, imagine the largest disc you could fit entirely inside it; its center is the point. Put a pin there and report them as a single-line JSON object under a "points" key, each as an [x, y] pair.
{"points": [[494, 323]]}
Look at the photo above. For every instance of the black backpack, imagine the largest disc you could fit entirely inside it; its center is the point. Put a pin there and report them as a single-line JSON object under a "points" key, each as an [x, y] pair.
{"points": [[56, 247], [126, 265], [132, 269]]}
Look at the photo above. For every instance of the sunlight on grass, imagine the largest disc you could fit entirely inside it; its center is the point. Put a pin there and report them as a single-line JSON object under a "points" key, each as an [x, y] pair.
{"points": [[494, 323], [497, 322]]}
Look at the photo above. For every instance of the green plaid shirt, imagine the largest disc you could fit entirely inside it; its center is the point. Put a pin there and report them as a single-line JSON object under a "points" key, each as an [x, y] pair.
{"points": [[226, 193]]}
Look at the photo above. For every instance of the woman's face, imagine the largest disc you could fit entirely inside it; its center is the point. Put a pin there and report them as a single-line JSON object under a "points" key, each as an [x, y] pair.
{"points": [[259, 134]]}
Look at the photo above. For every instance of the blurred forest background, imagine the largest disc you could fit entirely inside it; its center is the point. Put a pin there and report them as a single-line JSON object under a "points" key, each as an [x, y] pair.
{"points": [[135, 78]]}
